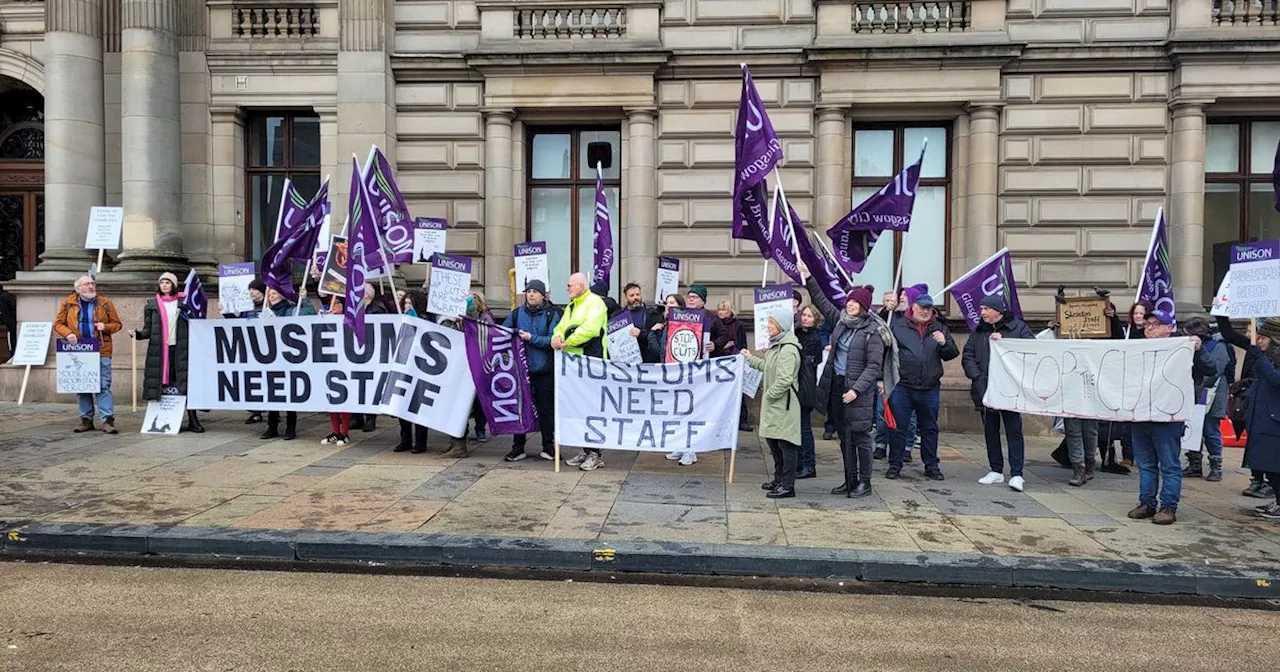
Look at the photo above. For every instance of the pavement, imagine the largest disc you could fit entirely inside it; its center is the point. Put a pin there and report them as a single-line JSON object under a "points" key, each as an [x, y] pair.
{"points": [[228, 493], [102, 619]]}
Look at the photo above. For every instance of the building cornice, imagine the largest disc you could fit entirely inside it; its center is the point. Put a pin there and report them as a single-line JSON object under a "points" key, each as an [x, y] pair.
{"points": [[272, 62]]}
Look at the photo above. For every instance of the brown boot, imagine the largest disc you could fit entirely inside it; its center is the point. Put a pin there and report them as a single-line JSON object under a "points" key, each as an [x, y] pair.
{"points": [[1088, 470], [86, 425], [109, 425], [1142, 511], [457, 449], [1078, 479], [1165, 517]]}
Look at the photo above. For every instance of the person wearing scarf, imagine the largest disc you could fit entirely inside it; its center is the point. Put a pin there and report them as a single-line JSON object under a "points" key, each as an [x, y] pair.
{"points": [[1262, 405], [780, 403], [534, 321], [737, 343], [164, 328], [848, 387]]}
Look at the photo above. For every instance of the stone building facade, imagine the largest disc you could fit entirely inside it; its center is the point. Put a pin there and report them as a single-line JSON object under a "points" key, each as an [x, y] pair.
{"points": [[1057, 128]]}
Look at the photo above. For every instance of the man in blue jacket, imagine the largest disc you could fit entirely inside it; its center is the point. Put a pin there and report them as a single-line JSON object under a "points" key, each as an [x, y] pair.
{"points": [[924, 343], [533, 322]]}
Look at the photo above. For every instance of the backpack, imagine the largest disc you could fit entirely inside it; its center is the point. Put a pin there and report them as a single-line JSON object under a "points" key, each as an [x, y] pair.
{"points": [[806, 387]]}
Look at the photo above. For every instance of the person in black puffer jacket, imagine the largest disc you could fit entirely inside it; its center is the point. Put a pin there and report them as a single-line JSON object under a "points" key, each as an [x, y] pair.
{"points": [[997, 323], [924, 343], [848, 385], [809, 333]]}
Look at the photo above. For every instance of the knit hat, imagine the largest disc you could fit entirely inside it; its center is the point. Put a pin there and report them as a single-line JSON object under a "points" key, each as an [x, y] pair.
{"points": [[796, 295], [170, 277], [1161, 316], [785, 320], [536, 285], [862, 295], [700, 290], [994, 302], [914, 292], [1270, 328]]}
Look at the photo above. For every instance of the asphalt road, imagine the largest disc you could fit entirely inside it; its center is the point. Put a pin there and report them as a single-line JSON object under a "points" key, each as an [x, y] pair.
{"points": [[68, 617]]}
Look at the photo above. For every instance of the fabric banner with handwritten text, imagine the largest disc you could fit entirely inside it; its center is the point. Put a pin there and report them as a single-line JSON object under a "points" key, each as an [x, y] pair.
{"points": [[1140, 380]]}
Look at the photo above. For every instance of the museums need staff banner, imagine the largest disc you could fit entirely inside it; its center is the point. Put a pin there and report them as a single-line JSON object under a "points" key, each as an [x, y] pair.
{"points": [[1140, 380], [409, 368], [681, 406]]}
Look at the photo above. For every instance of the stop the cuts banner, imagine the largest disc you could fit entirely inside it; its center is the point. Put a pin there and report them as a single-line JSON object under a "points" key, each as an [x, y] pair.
{"points": [[683, 406], [409, 368], [1146, 380]]}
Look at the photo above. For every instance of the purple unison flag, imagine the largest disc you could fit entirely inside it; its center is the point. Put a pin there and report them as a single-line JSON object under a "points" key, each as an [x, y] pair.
{"points": [[886, 210], [756, 152], [1156, 284], [292, 210], [501, 374], [278, 260], [390, 212], [602, 260], [822, 267], [195, 302], [362, 241], [993, 276], [782, 239]]}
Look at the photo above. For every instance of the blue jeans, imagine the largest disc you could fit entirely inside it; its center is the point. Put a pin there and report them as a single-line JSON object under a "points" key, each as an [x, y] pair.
{"points": [[1157, 448], [1213, 436], [807, 458], [105, 402], [882, 429], [925, 405]]}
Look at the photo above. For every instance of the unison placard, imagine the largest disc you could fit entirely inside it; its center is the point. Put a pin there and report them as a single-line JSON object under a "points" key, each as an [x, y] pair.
{"points": [[682, 406], [408, 367]]}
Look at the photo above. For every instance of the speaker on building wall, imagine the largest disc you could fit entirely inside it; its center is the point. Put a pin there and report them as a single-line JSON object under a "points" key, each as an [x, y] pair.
{"points": [[600, 153]]}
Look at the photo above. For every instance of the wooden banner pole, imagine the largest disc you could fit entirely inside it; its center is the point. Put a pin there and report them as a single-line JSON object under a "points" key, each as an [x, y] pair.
{"points": [[557, 457], [133, 356], [733, 459], [100, 253], [1253, 331], [26, 375]]}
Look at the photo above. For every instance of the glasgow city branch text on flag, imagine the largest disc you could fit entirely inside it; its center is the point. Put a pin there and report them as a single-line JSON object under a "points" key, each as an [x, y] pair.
{"points": [[756, 152], [889, 209]]}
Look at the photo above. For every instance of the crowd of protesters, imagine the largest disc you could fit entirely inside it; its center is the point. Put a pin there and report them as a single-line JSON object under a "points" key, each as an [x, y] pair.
{"points": [[878, 388]]}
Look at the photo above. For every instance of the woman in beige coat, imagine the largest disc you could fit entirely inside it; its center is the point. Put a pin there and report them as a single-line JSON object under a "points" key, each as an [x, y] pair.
{"points": [[780, 404]]}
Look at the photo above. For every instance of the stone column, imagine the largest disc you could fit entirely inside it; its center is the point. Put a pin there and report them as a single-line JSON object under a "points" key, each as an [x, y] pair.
{"points": [[831, 203], [499, 235], [1186, 202], [640, 222], [983, 237], [75, 158], [151, 136]]}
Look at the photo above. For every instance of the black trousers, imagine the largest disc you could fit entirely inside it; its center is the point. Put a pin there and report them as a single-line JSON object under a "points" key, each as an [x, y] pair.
{"points": [[1273, 477], [785, 457], [411, 434], [290, 420], [835, 410], [543, 386], [855, 449]]}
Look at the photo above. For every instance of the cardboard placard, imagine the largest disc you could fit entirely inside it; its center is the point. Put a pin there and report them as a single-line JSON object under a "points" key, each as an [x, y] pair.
{"points": [[164, 416], [774, 300], [684, 335], [333, 280], [1084, 317], [531, 264], [623, 347], [429, 235], [233, 287], [1255, 280], [668, 281], [79, 370], [105, 225], [450, 285]]}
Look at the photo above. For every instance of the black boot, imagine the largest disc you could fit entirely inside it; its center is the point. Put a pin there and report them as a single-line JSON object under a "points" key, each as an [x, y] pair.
{"points": [[290, 427], [357, 421], [1195, 466], [841, 489], [272, 431], [861, 490], [370, 423], [1215, 469], [193, 422], [406, 439]]}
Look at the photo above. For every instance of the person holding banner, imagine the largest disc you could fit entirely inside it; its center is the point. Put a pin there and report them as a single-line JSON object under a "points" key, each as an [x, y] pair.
{"points": [[278, 306], [847, 389], [84, 314], [339, 422], [780, 404], [373, 305], [656, 343], [164, 329], [643, 318], [534, 322], [413, 438], [581, 331], [997, 323], [1262, 448], [924, 343], [737, 343]]}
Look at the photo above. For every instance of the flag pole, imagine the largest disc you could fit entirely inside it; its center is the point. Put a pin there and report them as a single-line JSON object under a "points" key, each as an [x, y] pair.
{"points": [[382, 246], [306, 274], [984, 262], [830, 255]]}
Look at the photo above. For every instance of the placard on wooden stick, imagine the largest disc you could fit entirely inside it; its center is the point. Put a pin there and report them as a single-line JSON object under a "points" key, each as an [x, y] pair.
{"points": [[105, 226], [1084, 317]]}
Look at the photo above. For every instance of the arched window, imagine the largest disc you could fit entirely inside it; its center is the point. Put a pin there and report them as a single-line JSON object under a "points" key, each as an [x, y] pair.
{"points": [[21, 126], [21, 179]]}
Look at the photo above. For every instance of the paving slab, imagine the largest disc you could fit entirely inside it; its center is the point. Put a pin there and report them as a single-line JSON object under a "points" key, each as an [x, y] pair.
{"points": [[104, 493]]}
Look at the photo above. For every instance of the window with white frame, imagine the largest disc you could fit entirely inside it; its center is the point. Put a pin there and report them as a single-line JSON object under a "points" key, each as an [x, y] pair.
{"points": [[879, 153]]}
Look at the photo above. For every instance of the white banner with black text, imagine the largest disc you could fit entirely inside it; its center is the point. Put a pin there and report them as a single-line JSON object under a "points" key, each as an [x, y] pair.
{"points": [[410, 368], [681, 406]]}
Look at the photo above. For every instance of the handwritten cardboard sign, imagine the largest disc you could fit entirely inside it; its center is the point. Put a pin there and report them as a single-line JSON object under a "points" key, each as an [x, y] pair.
{"points": [[1084, 317]]}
